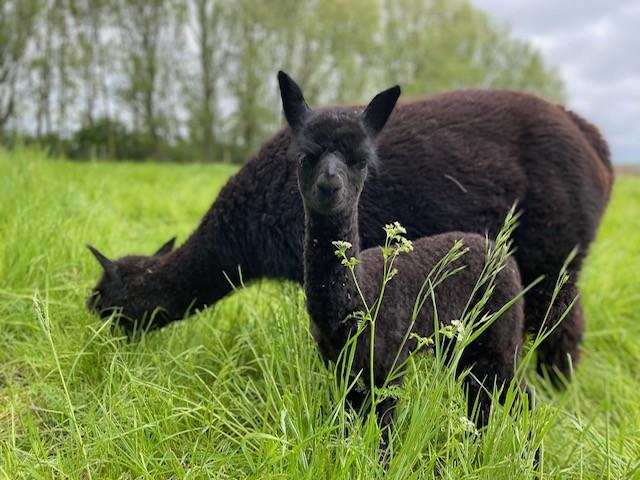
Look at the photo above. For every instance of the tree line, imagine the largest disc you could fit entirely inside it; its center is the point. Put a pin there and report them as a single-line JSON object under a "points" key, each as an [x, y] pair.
{"points": [[194, 80]]}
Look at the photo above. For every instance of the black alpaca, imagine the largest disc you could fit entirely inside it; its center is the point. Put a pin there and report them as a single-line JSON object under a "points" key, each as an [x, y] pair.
{"points": [[468, 155], [333, 152]]}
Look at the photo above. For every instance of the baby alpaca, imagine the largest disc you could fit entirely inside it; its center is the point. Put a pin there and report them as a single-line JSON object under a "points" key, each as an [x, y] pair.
{"points": [[333, 151]]}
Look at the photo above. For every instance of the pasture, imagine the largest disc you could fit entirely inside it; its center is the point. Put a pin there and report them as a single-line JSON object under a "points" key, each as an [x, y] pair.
{"points": [[239, 390]]}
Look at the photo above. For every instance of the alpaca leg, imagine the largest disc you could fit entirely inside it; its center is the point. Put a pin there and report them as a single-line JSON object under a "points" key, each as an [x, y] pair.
{"points": [[485, 375], [531, 403], [478, 400], [559, 352], [355, 399], [384, 412]]}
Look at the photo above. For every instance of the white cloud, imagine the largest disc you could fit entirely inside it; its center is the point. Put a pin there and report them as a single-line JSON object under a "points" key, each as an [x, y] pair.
{"points": [[595, 45]]}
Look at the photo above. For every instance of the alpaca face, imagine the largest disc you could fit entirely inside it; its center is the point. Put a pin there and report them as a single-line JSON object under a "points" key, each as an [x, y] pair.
{"points": [[333, 150], [110, 294], [128, 286]]}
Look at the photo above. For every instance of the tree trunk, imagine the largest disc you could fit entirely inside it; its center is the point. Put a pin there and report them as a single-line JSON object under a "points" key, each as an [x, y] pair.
{"points": [[206, 64]]}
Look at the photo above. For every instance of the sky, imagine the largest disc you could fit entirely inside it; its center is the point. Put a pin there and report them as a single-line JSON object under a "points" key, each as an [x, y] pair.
{"points": [[595, 47]]}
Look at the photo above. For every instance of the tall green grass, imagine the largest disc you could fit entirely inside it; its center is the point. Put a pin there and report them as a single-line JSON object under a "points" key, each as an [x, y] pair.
{"points": [[239, 391]]}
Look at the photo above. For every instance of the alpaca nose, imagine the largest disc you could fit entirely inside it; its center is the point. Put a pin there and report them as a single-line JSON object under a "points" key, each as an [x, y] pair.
{"points": [[329, 186]]}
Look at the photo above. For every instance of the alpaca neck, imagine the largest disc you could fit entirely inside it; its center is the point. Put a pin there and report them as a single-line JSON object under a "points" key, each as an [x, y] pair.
{"points": [[197, 277], [329, 286]]}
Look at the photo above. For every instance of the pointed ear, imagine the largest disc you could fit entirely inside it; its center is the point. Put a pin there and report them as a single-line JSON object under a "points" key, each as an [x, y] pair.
{"points": [[166, 248], [293, 103], [110, 268], [379, 109]]}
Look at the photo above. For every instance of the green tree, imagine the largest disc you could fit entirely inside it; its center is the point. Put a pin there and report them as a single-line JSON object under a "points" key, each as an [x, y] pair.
{"points": [[208, 27], [149, 33], [17, 19], [435, 45], [325, 45], [95, 58], [52, 59]]}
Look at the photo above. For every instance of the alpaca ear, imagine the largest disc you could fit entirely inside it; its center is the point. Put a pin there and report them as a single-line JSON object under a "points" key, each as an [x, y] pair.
{"points": [[293, 103], [377, 113], [166, 248], [110, 268]]}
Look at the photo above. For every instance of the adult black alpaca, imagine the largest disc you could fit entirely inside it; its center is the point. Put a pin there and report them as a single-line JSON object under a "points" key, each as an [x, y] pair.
{"points": [[467, 155], [333, 152]]}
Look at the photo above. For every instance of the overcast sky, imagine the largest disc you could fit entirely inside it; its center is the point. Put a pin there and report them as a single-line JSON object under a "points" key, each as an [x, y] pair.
{"points": [[595, 45]]}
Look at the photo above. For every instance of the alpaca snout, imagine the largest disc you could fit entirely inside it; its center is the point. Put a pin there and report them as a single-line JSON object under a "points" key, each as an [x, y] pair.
{"points": [[328, 195], [329, 187]]}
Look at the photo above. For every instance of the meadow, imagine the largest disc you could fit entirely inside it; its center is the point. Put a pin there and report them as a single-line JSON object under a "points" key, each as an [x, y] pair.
{"points": [[239, 390]]}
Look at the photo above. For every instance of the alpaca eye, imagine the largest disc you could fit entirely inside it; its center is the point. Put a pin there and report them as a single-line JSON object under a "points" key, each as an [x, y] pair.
{"points": [[304, 160], [361, 163]]}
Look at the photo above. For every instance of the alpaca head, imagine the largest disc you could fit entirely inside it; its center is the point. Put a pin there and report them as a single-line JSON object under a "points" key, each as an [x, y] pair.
{"points": [[127, 285], [333, 149]]}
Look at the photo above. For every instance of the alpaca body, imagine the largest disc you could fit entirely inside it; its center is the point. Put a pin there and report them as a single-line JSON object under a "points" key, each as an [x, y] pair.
{"points": [[326, 304], [467, 155]]}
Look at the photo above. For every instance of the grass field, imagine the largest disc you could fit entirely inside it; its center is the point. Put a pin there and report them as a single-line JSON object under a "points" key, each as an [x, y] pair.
{"points": [[239, 391]]}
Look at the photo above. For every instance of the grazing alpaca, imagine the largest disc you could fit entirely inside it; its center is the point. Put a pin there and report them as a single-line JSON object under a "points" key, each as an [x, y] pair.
{"points": [[468, 155], [333, 152]]}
